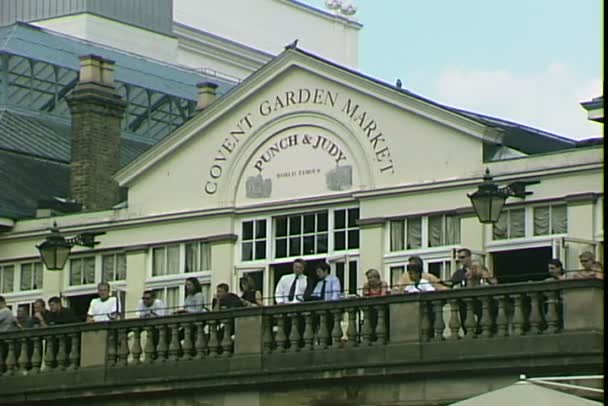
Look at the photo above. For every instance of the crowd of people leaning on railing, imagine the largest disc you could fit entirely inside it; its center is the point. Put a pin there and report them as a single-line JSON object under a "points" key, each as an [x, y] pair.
{"points": [[291, 288]]}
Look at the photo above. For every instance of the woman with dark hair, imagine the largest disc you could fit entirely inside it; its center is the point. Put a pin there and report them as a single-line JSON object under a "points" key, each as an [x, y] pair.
{"points": [[556, 270], [194, 301], [250, 296]]}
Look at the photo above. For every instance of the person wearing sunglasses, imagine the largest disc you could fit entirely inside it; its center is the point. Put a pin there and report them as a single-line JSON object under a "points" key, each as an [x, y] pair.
{"points": [[150, 306]]}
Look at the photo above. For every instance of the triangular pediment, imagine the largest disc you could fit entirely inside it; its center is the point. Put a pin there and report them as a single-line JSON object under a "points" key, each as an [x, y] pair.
{"points": [[304, 128]]}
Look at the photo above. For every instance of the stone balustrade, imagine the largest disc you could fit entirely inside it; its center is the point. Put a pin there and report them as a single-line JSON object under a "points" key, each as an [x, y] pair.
{"points": [[544, 321]]}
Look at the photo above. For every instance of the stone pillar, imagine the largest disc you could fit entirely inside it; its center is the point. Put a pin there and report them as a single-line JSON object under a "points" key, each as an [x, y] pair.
{"points": [[136, 279], [222, 261], [97, 112], [583, 305], [372, 252]]}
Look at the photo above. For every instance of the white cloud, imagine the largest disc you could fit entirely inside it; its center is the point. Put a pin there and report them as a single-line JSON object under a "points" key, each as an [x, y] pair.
{"points": [[548, 100]]}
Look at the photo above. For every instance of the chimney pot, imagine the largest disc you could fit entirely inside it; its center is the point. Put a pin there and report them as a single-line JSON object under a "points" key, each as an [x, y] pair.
{"points": [[206, 94]]}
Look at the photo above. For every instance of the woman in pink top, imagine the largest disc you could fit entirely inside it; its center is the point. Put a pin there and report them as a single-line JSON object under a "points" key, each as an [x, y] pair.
{"points": [[374, 286]]}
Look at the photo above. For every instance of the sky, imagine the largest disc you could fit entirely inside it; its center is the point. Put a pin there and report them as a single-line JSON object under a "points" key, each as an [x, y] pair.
{"points": [[527, 61]]}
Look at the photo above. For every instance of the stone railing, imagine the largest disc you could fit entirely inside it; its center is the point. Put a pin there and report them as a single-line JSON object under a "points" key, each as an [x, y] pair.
{"points": [[546, 319]]}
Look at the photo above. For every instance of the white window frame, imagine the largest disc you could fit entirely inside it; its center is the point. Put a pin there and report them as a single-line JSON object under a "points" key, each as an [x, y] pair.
{"points": [[269, 234], [424, 235]]}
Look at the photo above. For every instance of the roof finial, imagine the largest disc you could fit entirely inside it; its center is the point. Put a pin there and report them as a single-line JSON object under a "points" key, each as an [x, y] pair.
{"points": [[293, 45], [398, 84]]}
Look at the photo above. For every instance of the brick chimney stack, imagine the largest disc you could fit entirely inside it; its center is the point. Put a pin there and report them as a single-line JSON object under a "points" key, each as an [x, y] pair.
{"points": [[97, 112], [206, 95]]}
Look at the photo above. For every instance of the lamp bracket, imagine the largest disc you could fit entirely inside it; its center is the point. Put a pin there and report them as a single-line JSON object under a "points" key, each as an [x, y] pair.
{"points": [[518, 189], [85, 239]]}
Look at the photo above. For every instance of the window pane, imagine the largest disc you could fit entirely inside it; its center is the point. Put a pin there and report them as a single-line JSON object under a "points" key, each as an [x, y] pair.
{"points": [[435, 268], [322, 221], [322, 243], [173, 259], [340, 274], [158, 261], [309, 223], [281, 224], [499, 229], [339, 240], [248, 230], [205, 256], [309, 244], [452, 230], [88, 271], [107, 268], [397, 235], [339, 219], [396, 273], [26, 277], [260, 229], [353, 239], [352, 278], [75, 272], [247, 251], [295, 226], [38, 276], [191, 257], [353, 216], [414, 232], [281, 248], [121, 267], [172, 298], [294, 246], [559, 219], [260, 249], [517, 221], [435, 231], [541, 220]]}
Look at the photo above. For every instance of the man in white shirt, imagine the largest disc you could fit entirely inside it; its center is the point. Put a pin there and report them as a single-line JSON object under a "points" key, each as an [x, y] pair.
{"points": [[291, 287], [103, 308], [150, 306], [418, 283]]}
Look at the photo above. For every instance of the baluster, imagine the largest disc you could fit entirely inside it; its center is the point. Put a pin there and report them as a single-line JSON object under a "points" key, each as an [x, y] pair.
{"points": [[470, 323], [74, 351], [323, 334], [227, 339], [213, 341], [366, 334], [553, 323], [425, 326], [486, 317], [174, 346], [11, 361], [518, 315], [3, 344], [351, 330], [136, 347], [123, 347], [294, 333], [149, 352], [187, 345], [535, 313], [24, 361], [36, 355], [280, 337], [381, 325], [267, 338], [309, 335], [336, 331], [438, 325], [49, 354], [454, 322], [62, 356], [502, 322], [201, 341], [161, 348], [111, 351]]}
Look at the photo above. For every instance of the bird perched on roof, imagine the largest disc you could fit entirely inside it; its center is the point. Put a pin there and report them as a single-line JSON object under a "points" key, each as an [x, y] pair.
{"points": [[293, 45], [398, 84]]}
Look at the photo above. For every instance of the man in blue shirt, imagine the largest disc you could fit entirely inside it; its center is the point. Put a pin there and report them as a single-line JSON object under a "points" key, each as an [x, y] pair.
{"points": [[328, 286]]}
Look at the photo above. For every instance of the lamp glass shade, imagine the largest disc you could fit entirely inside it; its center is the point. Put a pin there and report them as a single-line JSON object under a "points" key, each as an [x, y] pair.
{"points": [[54, 252], [488, 206]]}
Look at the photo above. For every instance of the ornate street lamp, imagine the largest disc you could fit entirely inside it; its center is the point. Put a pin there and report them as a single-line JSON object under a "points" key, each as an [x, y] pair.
{"points": [[55, 250], [489, 199]]}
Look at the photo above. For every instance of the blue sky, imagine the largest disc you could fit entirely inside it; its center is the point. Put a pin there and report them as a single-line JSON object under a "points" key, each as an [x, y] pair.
{"points": [[529, 61]]}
